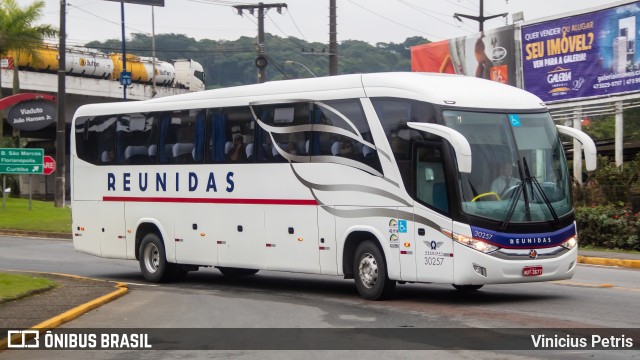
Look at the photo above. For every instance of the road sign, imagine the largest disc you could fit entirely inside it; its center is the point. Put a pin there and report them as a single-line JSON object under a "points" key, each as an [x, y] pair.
{"points": [[49, 165], [21, 161], [125, 78]]}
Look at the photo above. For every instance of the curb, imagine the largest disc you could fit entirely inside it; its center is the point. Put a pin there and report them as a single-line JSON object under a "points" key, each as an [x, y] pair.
{"points": [[609, 262], [121, 289], [38, 234]]}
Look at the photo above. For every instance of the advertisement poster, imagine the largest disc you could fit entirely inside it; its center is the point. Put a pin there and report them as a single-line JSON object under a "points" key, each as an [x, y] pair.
{"points": [[489, 55], [585, 55]]}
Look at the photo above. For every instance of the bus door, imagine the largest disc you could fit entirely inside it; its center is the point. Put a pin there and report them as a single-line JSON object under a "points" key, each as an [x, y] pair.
{"points": [[434, 249]]}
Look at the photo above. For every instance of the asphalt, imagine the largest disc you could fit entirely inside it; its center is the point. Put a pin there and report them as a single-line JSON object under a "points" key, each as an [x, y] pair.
{"points": [[77, 295]]}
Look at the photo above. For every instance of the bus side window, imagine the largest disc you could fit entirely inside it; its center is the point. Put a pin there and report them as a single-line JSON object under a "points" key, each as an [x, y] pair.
{"points": [[285, 145], [345, 115], [430, 184], [181, 137]]}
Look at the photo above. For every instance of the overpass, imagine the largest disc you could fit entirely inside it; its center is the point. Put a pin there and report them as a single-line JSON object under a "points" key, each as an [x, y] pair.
{"points": [[79, 91]]}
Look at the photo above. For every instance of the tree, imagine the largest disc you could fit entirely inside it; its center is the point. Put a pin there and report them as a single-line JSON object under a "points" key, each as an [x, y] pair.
{"points": [[19, 34]]}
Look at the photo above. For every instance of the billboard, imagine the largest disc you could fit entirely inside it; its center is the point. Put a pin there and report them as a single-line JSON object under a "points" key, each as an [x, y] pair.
{"points": [[488, 55], [592, 54]]}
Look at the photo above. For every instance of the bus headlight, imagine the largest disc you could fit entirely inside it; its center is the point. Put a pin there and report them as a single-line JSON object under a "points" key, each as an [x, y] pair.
{"points": [[571, 243], [475, 244]]}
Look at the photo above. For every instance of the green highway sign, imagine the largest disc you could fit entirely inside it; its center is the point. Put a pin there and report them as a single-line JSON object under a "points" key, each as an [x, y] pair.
{"points": [[21, 161]]}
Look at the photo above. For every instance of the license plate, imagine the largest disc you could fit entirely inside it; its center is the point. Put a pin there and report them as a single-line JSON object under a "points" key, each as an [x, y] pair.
{"points": [[532, 271]]}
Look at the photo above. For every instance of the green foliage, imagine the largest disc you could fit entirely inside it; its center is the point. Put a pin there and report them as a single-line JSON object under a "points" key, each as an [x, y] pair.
{"points": [[15, 286], [44, 216], [609, 227], [610, 184], [602, 128], [230, 63]]}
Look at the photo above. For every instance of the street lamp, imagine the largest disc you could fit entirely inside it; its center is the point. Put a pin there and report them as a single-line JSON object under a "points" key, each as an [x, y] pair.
{"points": [[301, 64]]}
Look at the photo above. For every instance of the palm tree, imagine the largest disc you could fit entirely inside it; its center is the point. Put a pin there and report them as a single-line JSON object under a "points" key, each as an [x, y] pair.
{"points": [[19, 33]]}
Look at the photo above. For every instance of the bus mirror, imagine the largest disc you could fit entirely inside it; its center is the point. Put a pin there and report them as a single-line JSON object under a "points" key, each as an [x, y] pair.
{"points": [[590, 152], [458, 142]]}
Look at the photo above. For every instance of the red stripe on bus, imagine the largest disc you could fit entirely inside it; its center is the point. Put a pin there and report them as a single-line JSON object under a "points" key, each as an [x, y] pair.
{"points": [[210, 200]]}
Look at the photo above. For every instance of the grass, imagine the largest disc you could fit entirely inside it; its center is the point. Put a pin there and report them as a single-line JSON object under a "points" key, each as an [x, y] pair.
{"points": [[43, 216], [15, 286]]}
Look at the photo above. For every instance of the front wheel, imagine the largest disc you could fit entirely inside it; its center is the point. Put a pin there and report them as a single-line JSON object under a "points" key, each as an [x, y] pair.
{"points": [[370, 272], [153, 261]]}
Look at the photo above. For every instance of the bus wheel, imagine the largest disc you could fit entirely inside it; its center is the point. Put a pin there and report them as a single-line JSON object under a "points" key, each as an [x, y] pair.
{"points": [[370, 273], [467, 288], [233, 272], [153, 262]]}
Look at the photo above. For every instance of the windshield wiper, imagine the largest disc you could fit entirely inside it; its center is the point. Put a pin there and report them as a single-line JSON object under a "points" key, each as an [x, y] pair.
{"points": [[534, 181], [512, 205], [516, 195]]}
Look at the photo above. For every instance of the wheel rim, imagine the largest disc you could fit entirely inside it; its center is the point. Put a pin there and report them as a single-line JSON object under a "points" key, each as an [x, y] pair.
{"points": [[368, 270], [151, 258]]}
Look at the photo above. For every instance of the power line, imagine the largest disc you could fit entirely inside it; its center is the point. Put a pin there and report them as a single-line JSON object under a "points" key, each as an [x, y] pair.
{"points": [[391, 20], [426, 12], [104, 19]]}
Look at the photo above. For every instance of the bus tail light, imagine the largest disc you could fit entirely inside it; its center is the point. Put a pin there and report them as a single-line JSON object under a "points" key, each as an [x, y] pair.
{"points": [[571, 243], [475, 244]]}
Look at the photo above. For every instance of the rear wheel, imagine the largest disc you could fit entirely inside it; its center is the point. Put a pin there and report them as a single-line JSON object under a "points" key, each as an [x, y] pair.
{"points": [[232, 272], [152, 258], [467, 288], [370, 272]]}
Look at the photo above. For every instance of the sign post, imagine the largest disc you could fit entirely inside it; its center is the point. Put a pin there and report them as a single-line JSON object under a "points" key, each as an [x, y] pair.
{"points": [[18, 161]]}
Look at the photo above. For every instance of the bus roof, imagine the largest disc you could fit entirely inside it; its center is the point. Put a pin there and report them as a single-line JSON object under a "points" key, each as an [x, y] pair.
{"points": [[443, 89]]}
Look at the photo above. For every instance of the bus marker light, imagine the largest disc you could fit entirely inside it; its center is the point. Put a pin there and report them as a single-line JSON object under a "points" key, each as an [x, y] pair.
{"points": [[221, 242], [407, 244], [129, 231], [480, 270], [202, 234], [300, 239]]}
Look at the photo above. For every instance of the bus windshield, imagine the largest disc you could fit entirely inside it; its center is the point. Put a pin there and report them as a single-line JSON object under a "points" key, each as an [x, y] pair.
{"points": [[519, 173]]}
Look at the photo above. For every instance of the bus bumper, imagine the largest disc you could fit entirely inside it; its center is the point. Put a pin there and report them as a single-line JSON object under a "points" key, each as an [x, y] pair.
{"points": [[472, 267]]}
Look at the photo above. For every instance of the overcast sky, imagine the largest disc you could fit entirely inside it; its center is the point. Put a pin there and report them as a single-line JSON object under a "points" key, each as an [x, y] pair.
{"points": [[368, 20]]}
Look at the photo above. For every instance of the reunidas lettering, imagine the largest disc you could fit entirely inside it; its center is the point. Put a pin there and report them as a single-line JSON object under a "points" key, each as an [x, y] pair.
{"points": [[161, 181]]}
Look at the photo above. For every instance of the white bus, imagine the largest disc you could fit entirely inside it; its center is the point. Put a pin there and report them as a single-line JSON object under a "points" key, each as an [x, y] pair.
{"points": [[385, 178]]}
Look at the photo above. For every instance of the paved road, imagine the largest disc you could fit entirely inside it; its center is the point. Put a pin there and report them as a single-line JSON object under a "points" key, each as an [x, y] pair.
{"points": [[282, 300]]}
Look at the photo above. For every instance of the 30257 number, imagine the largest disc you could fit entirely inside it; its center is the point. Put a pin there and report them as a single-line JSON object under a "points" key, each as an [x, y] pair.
{"points": [[433, 260]]}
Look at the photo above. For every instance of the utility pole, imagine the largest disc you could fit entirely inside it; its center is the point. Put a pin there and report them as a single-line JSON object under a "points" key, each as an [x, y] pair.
{"points": [[61, 124], [261, 60], [480, 19], [124, 52], [333, 38]]}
